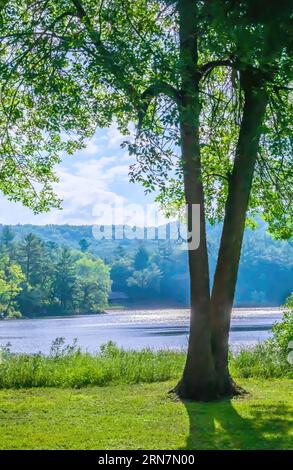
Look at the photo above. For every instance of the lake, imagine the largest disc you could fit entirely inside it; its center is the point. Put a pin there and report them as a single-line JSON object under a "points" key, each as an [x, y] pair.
{"points": [[165, 328]]}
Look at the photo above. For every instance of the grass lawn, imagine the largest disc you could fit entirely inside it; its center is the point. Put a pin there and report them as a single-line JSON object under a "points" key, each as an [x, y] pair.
{"points": [[143, 417]]}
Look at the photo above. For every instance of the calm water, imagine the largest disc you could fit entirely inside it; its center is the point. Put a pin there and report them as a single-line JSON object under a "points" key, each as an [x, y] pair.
{"points": [[131, 329]]}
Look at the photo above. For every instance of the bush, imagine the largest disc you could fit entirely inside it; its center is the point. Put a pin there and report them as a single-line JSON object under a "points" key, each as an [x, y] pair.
{"points": [[270, 358], [262, 361], [283, 332]]}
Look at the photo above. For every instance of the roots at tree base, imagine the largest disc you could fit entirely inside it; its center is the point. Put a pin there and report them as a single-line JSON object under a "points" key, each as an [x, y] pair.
{"points": [[215, 390]]}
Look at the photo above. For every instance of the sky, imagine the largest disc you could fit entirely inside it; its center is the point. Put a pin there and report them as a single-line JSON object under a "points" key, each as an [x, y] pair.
{"points": [[91, 183]]}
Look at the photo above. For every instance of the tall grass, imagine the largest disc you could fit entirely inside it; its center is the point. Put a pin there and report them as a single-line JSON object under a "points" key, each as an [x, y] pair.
{"points": [[269, 359], [67, 366], [265, 360]]}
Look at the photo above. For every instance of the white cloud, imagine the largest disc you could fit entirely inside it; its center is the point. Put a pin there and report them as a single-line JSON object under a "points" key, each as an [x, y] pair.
{"points": [[87, 180], [92, 148], [113, 137], [81, 186]]}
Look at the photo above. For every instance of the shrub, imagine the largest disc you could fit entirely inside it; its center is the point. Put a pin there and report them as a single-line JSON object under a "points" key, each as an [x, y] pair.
{"points": [[283, 331], [270, 358]]}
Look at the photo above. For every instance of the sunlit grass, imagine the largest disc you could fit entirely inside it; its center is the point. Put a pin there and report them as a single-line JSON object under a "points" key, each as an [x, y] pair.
{"points": [[265, 360], [142, 416], [67, 366]]}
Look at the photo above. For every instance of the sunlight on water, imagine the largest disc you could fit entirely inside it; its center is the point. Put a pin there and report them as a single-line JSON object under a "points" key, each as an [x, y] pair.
{"points": [[162, 328]]}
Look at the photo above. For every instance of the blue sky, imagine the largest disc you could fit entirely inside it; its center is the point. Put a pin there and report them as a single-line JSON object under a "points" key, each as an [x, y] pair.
{"points": [[96, 175]]}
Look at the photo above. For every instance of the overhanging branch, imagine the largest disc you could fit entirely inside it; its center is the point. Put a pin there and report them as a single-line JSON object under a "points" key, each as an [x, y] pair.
{"points": [[103, 54], [156, 89], [209, 66]]}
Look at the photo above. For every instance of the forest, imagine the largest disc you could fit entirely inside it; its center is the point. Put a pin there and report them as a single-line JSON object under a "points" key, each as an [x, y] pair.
{"points": [[63, 269], [39, 277]]}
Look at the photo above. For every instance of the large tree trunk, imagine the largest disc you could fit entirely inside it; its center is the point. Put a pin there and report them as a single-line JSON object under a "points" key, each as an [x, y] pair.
{"points": [[234, 223], [198, 380]]}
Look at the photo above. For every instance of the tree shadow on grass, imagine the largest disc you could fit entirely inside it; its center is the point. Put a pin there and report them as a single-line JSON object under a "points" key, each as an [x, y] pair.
{"points": [[218, 425]]}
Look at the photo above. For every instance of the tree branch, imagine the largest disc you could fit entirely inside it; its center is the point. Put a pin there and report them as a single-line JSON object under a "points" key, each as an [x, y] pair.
{"points": [[156, 89], [105, 56], [209, 66]]}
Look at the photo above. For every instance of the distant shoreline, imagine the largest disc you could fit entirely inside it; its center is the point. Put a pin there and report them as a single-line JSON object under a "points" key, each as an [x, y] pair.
{"points": [[235, 310], [139, 308]]}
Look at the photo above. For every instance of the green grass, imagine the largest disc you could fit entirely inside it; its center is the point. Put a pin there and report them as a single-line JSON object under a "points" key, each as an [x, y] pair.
{"points": [[68, 367], [142, 416], [265, 360]]}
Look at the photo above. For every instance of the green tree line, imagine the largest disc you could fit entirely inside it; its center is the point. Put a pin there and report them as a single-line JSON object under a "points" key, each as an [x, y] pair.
{"points": [[40, 277], [154, 272]]}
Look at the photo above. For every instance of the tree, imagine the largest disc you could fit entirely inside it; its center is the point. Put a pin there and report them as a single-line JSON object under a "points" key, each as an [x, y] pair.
{"points": [[147, 279], [11, 278], [65, 281], [66, 62], [121, 270], [7, 237], [93, 285], [119, 252], [261, 73], [141, 259], [274, 42], [84, 244], [37, 262], [43, 278], [30, 253]]}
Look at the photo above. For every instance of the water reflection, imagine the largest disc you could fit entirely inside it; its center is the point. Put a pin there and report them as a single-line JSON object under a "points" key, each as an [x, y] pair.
{"points": [[131, 329]]}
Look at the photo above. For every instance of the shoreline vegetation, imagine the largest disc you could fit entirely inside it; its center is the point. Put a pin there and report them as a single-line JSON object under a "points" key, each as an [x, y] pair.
{"points": [[67, 366]]}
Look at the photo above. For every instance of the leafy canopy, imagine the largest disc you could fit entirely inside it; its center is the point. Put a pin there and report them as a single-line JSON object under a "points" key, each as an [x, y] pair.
{"points": [[68, 66]]}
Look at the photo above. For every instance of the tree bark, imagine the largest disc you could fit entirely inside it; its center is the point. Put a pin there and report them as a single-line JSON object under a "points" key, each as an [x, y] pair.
{"points": [[239, 188], [198, 380]]}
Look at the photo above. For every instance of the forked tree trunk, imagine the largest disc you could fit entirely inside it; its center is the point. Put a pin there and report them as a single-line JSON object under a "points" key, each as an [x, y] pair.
{"points": [[234, 224], [206, 374], [198, 380]]}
